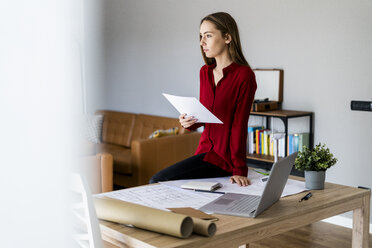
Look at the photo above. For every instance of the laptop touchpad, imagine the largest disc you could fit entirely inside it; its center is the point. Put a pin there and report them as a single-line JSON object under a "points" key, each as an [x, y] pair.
{"points": [[222, 201]]}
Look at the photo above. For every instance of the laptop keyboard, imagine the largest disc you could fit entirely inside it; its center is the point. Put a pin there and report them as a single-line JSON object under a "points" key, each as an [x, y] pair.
{"points": [[245, 204]]}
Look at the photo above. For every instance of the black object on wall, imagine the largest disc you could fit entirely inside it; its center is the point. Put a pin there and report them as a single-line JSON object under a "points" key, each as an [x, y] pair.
{"points": [[361, 105]]}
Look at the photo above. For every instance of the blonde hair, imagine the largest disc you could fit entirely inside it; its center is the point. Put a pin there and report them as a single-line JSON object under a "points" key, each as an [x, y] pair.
{"points": [[226, 25]]}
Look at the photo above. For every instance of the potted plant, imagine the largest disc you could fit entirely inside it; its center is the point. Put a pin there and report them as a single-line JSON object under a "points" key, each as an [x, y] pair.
{"points": [[315, 162]]}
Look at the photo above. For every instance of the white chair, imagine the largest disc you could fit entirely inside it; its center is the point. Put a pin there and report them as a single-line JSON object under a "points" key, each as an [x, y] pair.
{"points": [[87, 231]]}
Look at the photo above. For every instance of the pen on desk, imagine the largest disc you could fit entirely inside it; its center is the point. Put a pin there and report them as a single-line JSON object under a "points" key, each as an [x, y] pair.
{"points": [[207, 191], [306, 197]]}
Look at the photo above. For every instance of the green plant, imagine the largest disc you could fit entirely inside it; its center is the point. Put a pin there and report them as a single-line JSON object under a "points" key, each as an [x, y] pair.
{"points": [[317, 159]]}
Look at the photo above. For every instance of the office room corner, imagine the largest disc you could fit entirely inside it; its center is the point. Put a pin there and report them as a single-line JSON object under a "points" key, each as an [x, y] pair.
{"points": [[123, 73]]}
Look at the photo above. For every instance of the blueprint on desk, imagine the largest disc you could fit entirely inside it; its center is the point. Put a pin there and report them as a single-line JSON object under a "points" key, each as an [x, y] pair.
{"points": [[170, 195], [162, 197], [256, 188]]}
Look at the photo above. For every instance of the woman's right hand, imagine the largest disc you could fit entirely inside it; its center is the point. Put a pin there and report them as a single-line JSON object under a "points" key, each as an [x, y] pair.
{"points": [[187, 122]]}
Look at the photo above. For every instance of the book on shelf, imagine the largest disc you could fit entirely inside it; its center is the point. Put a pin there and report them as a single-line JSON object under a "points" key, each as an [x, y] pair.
{"points": [[250, 147], [290, 144], [265, 141], [260, 141], [260, 133], [296, 142], [251, 140], [281, 147]]}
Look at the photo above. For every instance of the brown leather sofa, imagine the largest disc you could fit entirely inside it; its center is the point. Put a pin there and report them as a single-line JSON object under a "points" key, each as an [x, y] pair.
{"points": [[136, 157]]}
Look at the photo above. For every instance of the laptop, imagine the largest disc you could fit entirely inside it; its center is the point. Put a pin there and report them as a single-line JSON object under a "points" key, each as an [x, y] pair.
{"points": [[252, 205]]}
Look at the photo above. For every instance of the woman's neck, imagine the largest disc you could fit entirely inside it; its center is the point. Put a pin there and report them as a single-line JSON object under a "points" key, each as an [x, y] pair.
{"points": [[222, 62]]}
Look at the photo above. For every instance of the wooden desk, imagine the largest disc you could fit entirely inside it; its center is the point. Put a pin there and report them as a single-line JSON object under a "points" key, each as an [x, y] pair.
{"points": [[285, 215]]}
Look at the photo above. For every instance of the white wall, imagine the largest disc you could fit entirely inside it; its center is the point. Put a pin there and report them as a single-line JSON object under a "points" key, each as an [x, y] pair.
{"points": [[324, 47], [92, 40], [37, 98]]}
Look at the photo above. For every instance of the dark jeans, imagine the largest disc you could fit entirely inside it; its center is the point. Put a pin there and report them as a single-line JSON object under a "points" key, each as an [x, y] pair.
{"points": [[190, 168]]}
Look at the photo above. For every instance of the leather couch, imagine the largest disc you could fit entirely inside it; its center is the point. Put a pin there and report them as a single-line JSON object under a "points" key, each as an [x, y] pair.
{"points": [[136, 157]]}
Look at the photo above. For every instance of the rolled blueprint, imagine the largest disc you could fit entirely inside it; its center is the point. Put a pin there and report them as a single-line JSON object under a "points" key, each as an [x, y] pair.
{"points": [[202, 221], [204, 227], [122, 212]]}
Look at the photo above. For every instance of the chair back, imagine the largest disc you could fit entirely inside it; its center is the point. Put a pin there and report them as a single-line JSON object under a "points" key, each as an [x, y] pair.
{"points": [[87, 231]]}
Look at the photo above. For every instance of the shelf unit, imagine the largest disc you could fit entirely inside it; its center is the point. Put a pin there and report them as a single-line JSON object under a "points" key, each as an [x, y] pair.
{"points": [[284, 115]]}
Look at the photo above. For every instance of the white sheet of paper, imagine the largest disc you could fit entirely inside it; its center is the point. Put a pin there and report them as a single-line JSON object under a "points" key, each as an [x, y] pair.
{"points": [[192, 107]]}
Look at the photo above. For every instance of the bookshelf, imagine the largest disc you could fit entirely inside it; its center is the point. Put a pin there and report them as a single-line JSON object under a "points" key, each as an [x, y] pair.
{"points": [[284, 115]]}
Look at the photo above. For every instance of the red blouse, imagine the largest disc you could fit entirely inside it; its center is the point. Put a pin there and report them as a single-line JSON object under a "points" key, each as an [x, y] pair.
{"points": [[230, 101]]}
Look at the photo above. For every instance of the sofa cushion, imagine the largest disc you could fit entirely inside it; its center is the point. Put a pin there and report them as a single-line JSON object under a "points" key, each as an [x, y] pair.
{"points": [[146, 124], [122, 157], [117, 127], [92, 128]]}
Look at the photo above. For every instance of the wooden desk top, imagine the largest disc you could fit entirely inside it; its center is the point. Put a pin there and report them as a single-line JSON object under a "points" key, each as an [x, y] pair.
{"points": [[288, 213]]}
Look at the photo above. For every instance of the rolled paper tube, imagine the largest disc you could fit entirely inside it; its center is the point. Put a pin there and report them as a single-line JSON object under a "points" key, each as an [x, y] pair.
{"points": [[204, 227], [152, 219]]}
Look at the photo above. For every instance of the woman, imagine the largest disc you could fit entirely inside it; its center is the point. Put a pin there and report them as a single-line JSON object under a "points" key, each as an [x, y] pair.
{"points": [[227, 87]]}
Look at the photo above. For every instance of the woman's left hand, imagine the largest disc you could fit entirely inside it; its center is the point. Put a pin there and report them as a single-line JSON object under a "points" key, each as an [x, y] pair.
{"points": [[240, 180]]}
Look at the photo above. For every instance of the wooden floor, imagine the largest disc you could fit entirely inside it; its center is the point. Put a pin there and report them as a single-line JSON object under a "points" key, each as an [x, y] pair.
{"points": [[317, 235]]}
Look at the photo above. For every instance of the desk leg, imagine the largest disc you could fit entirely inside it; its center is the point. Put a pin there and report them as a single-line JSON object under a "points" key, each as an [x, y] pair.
{"points": [[360, 237]]}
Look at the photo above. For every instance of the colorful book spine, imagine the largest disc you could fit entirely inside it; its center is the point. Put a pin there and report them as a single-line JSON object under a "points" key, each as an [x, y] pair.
{"points": [[257, 141], [296, 143], [261, 141], [290, 144], [265, 143], [251, 140]]}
